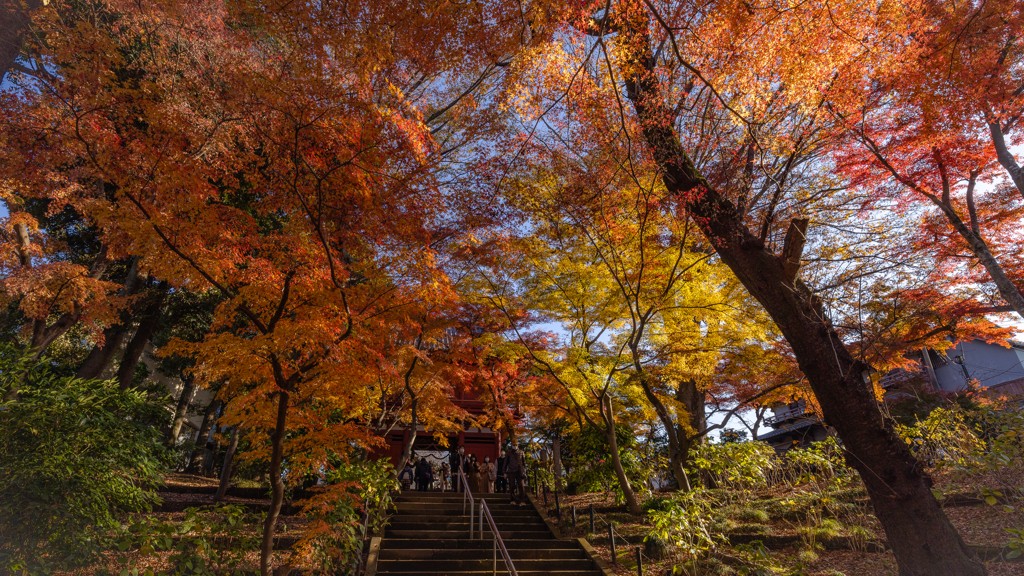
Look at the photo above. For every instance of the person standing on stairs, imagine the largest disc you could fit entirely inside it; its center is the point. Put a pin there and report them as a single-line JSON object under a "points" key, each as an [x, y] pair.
{"points": [[458, 463], [406, 476], [473, 474], [423, 474], [515, 470], [446, 477], [488, 475], [500, 482]]}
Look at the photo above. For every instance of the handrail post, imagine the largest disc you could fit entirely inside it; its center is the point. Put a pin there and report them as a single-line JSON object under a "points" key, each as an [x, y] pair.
{"points": [[639, 563], [611, 537]]}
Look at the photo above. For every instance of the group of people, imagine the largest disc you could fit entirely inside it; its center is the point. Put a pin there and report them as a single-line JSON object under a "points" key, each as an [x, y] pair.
{"points": [[421, 471], [505, 475]]}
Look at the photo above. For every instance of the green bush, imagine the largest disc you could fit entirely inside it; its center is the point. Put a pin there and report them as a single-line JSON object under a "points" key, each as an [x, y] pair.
{"points": [[689, 523], [74, 454], [590, 468], [659, 503], [735, 465]]}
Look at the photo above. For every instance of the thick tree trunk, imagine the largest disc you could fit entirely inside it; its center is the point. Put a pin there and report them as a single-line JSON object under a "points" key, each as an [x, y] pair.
{"points": [[187, 389], [15, 19], [226, 470], [693, 399], [209, 417], [100, 356], [923, 540], [276, 485], [613, 447], [148, 325]]}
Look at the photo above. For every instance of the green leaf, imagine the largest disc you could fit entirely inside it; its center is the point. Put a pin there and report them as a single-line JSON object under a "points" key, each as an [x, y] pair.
{"points": [[991, 500], [1013, 554]]}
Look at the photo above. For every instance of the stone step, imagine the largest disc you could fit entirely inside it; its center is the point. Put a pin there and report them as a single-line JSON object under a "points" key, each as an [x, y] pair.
{"points": [[463, 543], [506, 535], [444, 497], [463, 523], [464, 565], [486, 553], [405, 509]]}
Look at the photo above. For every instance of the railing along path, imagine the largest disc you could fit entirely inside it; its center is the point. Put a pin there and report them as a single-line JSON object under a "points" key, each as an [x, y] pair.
{"points": [[540, 488], [485, 514]]}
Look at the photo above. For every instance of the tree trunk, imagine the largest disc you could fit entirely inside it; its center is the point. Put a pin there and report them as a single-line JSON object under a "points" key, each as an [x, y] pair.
{"points": [[414, 418], [100, 356], [204, 433], [148, 325], [276, 485], [187, 389], [1005, 157], [15, 20], [923, 540], [1007, 289], [693, 399], [556, 449], [411, 441], [613, 447], [226, 470]]}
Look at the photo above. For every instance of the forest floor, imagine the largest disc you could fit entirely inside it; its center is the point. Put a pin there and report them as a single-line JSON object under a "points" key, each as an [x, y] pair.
{"points": [[183, 491], [797, 536]]}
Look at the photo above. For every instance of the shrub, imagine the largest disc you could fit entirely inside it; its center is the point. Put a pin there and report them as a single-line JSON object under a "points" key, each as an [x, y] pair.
{"points": [[657, 503], [688, 523], [655, 547], [942, 438], [734, 465], [74, 454]]}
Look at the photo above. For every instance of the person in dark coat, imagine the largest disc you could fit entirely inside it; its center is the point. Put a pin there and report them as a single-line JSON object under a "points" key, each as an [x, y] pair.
{"points": [[473, 474], [515, 470], [500, 482], [458, 462], [406, 476], [423, 475]]}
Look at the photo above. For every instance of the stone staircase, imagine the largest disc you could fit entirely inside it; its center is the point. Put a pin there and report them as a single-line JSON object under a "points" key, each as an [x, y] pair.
{"points": [[429, 536]]}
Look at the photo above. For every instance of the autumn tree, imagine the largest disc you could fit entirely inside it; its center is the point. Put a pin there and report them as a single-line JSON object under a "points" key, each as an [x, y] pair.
{"points": [[652, 61], [646, 310], [937, 129], [300, 176]]}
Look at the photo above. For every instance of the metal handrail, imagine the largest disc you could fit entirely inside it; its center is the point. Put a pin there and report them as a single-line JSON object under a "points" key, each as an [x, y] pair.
{"points": [[636, 547], [464, 486], [485, 512]]}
